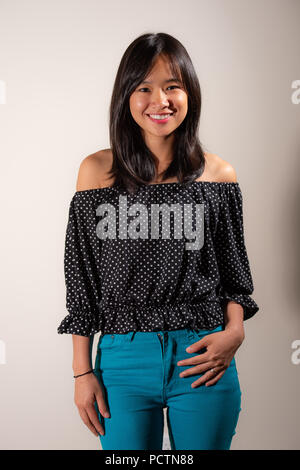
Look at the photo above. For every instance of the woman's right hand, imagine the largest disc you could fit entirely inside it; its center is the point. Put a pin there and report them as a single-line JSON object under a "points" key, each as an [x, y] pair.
{"points": [[87, 391]]}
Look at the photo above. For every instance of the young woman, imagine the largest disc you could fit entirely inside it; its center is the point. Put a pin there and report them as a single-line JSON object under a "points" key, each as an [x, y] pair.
{"points": [[155, 260]]}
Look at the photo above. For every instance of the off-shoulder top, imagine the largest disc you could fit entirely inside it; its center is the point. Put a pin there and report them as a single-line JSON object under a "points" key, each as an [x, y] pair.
{"points": [[168, 257]]}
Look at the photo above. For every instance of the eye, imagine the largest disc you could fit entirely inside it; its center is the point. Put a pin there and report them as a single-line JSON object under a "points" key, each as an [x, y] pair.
{"points": [[171, 86]]}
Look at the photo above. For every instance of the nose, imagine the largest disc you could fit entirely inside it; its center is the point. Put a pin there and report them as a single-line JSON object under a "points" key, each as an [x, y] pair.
{"points": [[159, 97]]}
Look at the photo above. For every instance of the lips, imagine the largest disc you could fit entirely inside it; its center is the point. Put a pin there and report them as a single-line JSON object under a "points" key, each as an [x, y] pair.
{"points": [[159, 114], [161, 121]]}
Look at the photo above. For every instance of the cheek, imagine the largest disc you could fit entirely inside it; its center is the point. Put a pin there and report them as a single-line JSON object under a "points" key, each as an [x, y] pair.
{"points": [[137, 104], [182, 101]]}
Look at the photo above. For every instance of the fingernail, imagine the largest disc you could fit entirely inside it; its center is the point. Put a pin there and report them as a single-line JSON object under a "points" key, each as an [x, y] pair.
{"points": [[106, 414]]}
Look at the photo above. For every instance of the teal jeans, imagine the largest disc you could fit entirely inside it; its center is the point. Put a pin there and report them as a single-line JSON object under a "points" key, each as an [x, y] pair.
{"points": [[139, 375]]}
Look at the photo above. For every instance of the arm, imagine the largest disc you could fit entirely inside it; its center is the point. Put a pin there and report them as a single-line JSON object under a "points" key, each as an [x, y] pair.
{"points": [[83, 345], [82, 353], [233, 314], [234, 320], [235, 288], [83, 295], [236, 284]]}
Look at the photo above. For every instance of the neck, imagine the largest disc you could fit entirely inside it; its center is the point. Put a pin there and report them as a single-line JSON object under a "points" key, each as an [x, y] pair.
{"points": [[162, 149]]}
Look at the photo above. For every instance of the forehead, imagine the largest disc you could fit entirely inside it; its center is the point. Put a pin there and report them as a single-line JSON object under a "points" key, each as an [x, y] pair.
{"points": [[162, 71], [168, 80]]}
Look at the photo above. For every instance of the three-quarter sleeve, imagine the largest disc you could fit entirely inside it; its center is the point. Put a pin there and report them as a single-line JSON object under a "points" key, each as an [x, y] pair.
{"points": [[80, 270], [236, 282]]}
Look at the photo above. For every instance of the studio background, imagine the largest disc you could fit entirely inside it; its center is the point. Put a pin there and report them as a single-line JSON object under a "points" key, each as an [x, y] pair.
{"points": [[58, 61]]}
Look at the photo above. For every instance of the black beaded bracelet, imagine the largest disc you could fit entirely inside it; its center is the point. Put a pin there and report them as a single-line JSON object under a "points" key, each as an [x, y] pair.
{"points": [[88, 372]]}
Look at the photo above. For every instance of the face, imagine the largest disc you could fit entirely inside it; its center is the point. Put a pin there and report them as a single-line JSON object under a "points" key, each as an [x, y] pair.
{"points": [[159, 96]]}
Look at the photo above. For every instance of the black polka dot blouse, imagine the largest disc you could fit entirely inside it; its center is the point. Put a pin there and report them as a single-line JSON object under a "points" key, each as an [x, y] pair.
{"points": [[168, 257]]}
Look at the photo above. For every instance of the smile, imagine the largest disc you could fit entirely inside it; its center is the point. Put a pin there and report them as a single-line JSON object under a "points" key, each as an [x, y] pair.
{"points": [[160, 119]]}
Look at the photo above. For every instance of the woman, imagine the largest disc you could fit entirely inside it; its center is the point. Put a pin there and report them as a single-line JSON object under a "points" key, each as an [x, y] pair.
{"points": [[153, 283]]}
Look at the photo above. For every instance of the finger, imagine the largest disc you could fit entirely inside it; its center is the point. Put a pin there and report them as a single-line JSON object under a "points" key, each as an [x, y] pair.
{"points": [[196, 369], [210, 375], [102, 406], [85, 418], [199, 359], [202, 343], [93, 417], [215, 379]]}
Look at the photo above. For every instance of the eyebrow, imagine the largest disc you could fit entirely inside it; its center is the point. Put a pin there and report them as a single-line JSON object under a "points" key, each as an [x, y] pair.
{"points": [[173, 79]]}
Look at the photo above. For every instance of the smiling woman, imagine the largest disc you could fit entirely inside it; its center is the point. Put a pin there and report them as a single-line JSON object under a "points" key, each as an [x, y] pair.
{"points": [[155, 78], [150, 294], [162, 102]]}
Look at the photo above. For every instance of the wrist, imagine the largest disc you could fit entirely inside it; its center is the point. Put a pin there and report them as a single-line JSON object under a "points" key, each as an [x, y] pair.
{"points": [[81, 368], [237, 330], [84, 374]]}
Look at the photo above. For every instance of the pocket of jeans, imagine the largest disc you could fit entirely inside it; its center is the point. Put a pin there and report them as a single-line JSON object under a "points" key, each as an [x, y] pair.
{"points": [[112, 341], [199, 334], [106, 341]]}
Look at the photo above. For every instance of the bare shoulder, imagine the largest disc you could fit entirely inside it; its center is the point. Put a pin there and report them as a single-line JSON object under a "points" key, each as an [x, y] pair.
{"points": [[93, 171], [220, 170]]}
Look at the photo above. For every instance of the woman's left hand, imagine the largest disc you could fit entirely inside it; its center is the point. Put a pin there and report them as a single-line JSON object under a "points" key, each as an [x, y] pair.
{"points": [[221, 347]]}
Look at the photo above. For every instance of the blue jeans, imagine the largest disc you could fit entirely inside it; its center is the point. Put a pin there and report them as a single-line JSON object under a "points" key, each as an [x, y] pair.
{"points": [[139, 375]]}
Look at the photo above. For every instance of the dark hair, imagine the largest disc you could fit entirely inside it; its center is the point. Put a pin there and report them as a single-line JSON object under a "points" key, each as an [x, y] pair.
{"points": [[133, 162]]}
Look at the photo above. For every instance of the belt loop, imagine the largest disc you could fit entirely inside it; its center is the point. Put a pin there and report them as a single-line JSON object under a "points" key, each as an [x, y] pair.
{"points": [[190, 333], [131, 335]]}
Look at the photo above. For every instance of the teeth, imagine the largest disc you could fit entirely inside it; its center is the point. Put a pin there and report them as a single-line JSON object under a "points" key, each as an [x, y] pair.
{"points": [[159, 116]]}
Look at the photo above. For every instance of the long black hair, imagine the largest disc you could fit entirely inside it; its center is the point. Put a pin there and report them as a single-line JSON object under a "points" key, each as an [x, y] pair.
{"points": [[133, 162]]}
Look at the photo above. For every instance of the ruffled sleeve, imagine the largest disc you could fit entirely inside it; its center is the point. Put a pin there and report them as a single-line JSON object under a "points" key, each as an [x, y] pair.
{"points": [[235, 275], [80, 270]]}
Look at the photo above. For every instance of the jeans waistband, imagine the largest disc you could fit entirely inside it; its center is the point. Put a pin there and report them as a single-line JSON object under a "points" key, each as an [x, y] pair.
{"points": [[183, 332]]}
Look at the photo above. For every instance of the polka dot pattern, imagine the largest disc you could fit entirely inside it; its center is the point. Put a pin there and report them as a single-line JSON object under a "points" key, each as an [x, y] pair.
{"points": [[149, 282]]}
